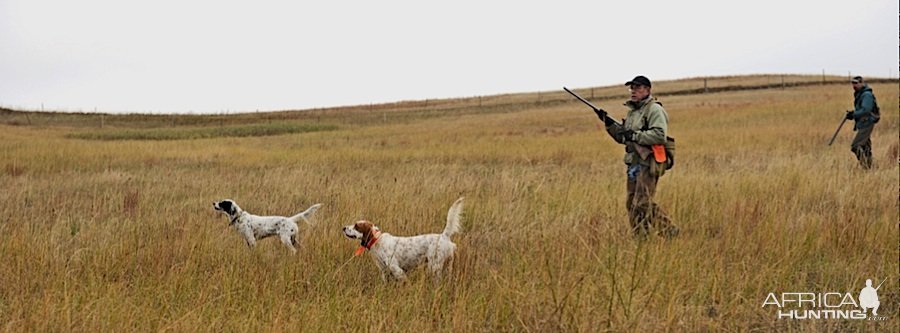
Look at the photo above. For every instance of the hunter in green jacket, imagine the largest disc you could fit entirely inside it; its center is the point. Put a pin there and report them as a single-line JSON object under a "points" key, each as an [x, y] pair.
{"points": [[646, 124]]}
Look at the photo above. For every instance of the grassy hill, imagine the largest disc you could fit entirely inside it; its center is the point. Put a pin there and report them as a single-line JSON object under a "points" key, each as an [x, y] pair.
{"points": [[106, 233]]}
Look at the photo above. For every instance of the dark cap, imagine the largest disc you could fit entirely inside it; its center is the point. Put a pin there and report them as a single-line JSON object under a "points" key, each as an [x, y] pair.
{"points": [[639, 80], [856, 79]]}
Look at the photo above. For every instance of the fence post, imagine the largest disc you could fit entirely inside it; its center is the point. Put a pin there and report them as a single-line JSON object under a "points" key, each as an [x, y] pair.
{"points": [[782, 81], [705, 87]]}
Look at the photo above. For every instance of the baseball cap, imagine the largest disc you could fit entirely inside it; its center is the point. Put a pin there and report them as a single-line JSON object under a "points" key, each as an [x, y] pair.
{"points": [[639, 80], [856, 79]]}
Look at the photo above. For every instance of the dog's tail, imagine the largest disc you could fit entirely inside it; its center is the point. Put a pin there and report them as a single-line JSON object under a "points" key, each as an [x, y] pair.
{"points": [[453, 218], [307, 213]]}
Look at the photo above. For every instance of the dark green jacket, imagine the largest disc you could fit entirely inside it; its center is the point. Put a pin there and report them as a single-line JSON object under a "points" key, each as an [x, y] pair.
{"points": [[864, 104]]}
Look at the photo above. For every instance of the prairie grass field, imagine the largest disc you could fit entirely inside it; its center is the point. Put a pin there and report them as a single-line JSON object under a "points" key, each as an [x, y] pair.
{"points": [[191, 133], [106, 234]]}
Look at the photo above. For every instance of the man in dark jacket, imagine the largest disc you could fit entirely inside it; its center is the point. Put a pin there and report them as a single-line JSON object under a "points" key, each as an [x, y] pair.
{"points": [[866, 114]]}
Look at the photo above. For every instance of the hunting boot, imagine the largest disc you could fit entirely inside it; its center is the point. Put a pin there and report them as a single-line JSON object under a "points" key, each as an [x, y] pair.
{"points": [[640, 222], [866, 161], [864, 155], [662, 223]]}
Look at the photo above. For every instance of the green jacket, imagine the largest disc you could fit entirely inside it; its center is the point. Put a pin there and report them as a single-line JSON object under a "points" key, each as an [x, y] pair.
{"points": [[650, 123], [864, 104]]}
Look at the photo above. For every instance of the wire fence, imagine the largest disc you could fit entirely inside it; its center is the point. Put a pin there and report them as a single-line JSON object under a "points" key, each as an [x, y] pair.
{"points": [[690, 86], [422, 108]]}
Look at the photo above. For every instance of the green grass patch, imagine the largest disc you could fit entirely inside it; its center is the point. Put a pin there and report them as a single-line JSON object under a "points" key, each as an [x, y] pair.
{"points": [[192, 133]]}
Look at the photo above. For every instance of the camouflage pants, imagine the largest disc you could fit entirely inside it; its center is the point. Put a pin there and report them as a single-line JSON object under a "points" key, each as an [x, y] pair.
{"points": [[862, 146], [643, 213]]}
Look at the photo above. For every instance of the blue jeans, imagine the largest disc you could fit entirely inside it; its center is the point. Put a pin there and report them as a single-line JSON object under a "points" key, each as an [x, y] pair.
{"points": [[633, 171]]}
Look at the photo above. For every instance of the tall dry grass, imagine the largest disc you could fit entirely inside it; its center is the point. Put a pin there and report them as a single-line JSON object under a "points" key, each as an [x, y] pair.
{"points": [[120, 235]]}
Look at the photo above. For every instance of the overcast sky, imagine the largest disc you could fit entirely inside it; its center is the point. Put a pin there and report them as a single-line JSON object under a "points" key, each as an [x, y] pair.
{"points": [[205, 56]]}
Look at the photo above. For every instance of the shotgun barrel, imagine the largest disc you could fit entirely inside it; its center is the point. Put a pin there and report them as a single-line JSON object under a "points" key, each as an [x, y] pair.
{"points": [[600, 113], [838, 131]]}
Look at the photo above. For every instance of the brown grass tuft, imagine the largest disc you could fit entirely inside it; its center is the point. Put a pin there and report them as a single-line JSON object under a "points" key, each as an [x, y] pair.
{"points": [[14, 170], [131, 202]]}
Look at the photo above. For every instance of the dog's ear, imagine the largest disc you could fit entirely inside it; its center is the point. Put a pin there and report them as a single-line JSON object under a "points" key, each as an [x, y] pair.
{"points": [[365, 228], [227, 207]]}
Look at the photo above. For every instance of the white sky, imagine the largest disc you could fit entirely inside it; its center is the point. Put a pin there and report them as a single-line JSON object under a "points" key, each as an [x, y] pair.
{"points": [[205, 56]]}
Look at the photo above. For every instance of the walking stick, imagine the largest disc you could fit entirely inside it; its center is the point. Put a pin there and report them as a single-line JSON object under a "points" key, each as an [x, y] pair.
{"points": [[838, 131]]}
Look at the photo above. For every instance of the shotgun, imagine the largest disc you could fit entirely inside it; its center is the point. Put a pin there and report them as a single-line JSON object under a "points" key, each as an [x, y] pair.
{"points": [[879, 285], [643, 151], [838, 131]]}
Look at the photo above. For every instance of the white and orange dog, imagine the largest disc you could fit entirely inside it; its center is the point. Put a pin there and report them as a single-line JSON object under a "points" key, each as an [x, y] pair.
{"points": [[254, 228], [399, 255]]}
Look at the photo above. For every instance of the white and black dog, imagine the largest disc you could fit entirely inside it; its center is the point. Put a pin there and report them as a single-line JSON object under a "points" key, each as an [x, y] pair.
{"points": [[254, 228]]}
